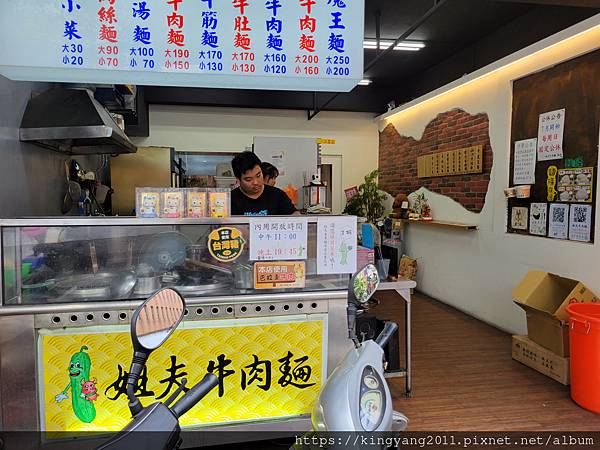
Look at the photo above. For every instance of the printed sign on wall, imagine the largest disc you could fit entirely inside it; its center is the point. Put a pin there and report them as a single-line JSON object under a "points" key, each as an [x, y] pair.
{"points": [[519, 218], [314, 45], [575, 185], [580, 223], [558, 222], [551, 129], [524, 162], [538, 219]]}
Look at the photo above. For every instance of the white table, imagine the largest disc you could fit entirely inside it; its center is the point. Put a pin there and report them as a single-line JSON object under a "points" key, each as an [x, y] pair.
{"points": [[402, 288]]}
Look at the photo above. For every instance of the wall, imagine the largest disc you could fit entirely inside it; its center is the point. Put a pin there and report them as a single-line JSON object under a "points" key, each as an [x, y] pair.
{"points": [[33, 179], [451, 130], [475, 271], [232, 129]]}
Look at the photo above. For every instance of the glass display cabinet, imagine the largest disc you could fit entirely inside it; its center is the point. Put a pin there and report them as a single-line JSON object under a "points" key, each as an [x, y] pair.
{"points": [[70, 285]]}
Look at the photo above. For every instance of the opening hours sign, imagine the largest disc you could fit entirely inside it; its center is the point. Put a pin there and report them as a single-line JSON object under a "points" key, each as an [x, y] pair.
{"points": [[248, 44]]}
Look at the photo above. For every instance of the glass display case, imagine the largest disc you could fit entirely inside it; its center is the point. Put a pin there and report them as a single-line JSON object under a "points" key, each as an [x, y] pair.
{"points": [[60, 260]]}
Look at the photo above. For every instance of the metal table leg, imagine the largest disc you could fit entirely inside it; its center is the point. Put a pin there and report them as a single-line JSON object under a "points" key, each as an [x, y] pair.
{"points": [[402, 288]]}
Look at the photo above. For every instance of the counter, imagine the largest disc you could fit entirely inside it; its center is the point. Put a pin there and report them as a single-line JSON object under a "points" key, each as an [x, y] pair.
{"points": [[70, 285]]}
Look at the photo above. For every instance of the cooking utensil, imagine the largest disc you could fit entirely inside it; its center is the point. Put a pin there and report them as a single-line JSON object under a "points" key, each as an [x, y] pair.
{"points": [[163, 251], [105, 285], [189, 264], [67, 204], [147, 285], [191, 290], [243, 276]]}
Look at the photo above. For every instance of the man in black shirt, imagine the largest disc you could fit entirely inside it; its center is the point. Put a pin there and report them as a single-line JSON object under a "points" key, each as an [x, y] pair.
{"points": [[253, 198]]}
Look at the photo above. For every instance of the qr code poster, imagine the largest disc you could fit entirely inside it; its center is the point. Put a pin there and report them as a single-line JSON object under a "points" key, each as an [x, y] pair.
{"points": [[538, 219], [518, 218], [580, 223], [558, 221]]}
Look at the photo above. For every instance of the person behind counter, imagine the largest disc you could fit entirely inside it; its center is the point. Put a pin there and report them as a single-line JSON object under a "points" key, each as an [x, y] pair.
{"points": [[253, 197], [270, 173]]}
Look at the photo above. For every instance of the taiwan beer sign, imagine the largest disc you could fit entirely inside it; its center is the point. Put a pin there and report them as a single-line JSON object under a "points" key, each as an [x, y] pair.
{"points": [[311, 45]]}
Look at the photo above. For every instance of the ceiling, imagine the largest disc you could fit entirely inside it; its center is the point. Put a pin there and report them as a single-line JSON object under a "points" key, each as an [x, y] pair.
{"points": [[461, 36]]}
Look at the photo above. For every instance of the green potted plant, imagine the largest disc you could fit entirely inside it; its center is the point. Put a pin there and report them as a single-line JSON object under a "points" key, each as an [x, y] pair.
{"points": [[368, 202]]}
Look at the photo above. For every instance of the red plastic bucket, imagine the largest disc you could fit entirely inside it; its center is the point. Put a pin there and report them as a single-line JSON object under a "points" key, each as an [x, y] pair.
{"points": [[584, 335]]}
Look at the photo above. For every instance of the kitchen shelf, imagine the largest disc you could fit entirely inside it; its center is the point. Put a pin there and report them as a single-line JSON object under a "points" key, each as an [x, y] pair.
{"points": [[439, 223]]}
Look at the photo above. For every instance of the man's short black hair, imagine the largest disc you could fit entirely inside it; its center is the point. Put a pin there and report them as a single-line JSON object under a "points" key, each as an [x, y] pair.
{"points": [[243, 162], [269, 170]]}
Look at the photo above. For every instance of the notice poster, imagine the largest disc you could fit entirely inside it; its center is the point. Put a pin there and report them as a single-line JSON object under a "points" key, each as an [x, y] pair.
{"points": [[580, 223], [558, 221], [519, 218], [524, 162], [550, 135], [278, 160], [575, 185], [538, 219], [336, 245], [278, 238], [279, 275]]}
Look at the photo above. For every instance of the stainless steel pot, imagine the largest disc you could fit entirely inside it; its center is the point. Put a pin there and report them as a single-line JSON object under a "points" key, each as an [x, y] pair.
{"points": [[147, 285], [102, 285], [243, 276]]}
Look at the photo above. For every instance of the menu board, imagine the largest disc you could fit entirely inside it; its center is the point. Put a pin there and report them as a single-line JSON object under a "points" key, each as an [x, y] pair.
{"points": [[262, 44]]}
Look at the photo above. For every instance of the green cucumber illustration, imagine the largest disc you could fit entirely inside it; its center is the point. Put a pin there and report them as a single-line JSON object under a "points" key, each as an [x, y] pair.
{"points": [[79, 372]]}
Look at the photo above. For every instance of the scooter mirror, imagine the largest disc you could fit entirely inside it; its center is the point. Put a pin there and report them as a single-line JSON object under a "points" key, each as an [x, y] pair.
{"points": [[365, 283], [156, 319]]}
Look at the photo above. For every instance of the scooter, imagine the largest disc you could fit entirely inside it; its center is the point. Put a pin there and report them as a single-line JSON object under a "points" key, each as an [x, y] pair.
{"points": [[151, 325], [356, 397]]}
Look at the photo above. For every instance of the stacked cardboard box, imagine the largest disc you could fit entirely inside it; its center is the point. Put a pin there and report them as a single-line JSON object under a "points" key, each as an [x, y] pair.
{"points": [[544, 297]]}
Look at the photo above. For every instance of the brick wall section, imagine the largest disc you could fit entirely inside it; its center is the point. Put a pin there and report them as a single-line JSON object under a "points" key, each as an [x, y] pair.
{"points": [[448, 131]]}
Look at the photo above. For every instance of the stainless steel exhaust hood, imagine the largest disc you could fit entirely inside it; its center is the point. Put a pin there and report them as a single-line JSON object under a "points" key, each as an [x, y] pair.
{"points": [[72, 121]]}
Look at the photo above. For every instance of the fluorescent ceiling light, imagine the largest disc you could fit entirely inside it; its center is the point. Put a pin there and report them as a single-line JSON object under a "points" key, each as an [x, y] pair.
{"points": [[365, 82], [401, 46]]}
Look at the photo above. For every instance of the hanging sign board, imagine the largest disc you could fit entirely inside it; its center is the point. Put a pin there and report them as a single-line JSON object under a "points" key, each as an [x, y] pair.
{"points": [[312, 45]]}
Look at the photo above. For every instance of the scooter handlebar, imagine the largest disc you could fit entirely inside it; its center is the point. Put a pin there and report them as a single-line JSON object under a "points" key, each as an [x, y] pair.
{"points": [[195, 394], [388, 330]]}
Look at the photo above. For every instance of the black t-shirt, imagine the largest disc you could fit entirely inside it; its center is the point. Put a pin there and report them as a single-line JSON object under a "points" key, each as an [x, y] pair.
{"points": [[272, 202]]}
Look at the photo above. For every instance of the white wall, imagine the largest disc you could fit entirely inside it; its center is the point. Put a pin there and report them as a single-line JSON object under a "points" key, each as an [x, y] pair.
{"points": [[475, 271], [189, 128]]}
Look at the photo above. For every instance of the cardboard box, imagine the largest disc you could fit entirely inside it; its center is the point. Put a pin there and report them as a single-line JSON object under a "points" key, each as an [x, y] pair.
{"points": [[537, 357], [544, 297]]}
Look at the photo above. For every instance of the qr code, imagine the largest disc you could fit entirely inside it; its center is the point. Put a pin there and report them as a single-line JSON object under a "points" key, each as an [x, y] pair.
{"points": [[580, 215], [558, 215]]}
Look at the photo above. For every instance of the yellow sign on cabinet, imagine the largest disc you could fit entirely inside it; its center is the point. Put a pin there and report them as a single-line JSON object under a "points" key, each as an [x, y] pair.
{"points": [[265, 370]]}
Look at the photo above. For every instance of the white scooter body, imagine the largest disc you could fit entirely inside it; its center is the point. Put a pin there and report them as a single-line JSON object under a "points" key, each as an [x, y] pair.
{"points": [[356, 396]]}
